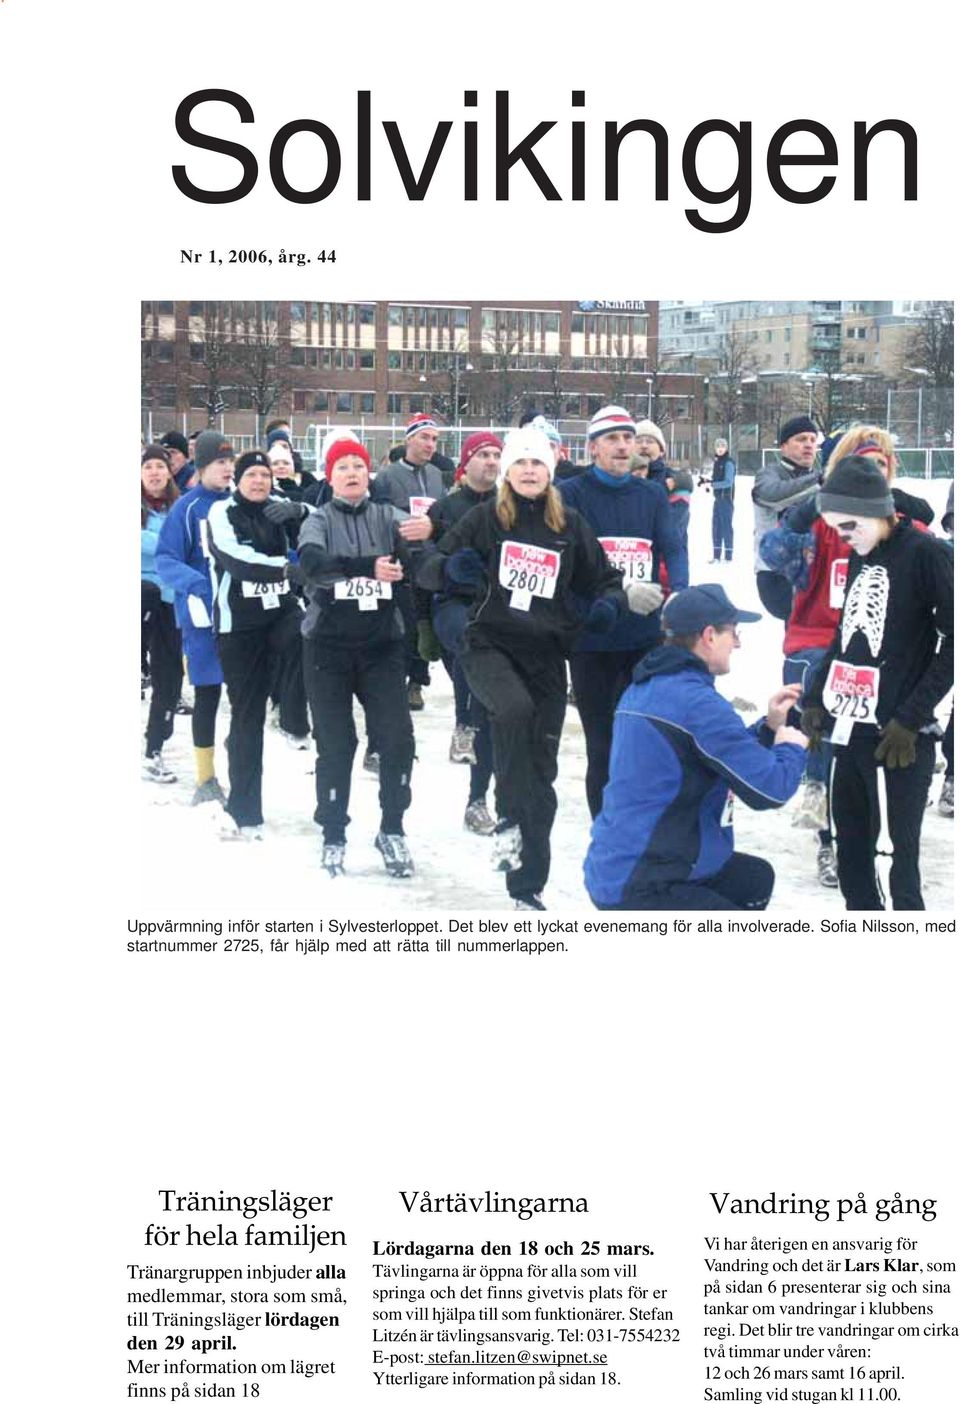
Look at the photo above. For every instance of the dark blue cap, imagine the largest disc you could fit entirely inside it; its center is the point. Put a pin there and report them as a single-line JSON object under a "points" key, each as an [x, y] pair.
{"points": [[690, 611], [277, 436]]}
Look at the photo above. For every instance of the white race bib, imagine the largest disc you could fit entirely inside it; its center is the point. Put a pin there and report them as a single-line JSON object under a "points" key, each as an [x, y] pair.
{"points": [[850, 695], [364, 589], [268, 592], [838, 583], [631, 554], [420, 506], [527, 571]]}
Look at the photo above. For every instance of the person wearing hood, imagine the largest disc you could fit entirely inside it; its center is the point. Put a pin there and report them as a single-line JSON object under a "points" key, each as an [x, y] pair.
{"points": [[678, 482], [159, 636], [529, 562], [354, 552], [636, 528], [874, 693], [256, 619], [184, 567], [475, 483], [681, 753]]}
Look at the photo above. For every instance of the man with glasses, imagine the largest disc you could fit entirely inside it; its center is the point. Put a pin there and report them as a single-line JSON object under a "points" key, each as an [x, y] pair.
{"points": [[664, 838]]}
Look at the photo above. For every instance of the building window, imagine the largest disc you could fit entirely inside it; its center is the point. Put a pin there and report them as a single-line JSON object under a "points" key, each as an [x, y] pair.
{"points": [[197, 350], [416, 404], [297, 356], [344, 403], [198, 397], [394, 360], [195, 309], [299, 401], [366, 360], [394, 404], [367, 403], [165, 309], [298, 311], [320, 402], [166, 396]]}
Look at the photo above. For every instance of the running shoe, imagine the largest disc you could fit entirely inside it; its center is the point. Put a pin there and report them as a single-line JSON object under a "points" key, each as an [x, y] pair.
{"points": [[209, 791], [478, 820], [395, 854], [811, 813], [507, 847], [155, 769], [945, 805], [532, 902], [415, 697], [827, 866], [332, 858], [231, 830], [461, 746], [371, 762], [183, 709], [296, 743]]}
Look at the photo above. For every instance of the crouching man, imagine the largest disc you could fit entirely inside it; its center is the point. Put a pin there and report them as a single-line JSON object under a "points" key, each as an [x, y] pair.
{"points": [[663, 840]]}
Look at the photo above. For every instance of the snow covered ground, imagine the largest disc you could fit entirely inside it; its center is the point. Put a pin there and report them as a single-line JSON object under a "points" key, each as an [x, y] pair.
{"points": [[453, 867]]}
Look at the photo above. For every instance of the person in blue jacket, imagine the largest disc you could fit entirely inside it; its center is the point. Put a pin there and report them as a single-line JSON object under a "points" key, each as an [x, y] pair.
{"points": [[723, 480], [635, 526], [664, 838], [184, 568], [159, 638]]}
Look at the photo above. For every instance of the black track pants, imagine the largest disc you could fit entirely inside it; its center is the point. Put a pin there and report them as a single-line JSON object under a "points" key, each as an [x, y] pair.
{"points": [[864, 794], [377, 678], [598, 681], [247, 658], [160, 645], [527, 700], [743, 884]]}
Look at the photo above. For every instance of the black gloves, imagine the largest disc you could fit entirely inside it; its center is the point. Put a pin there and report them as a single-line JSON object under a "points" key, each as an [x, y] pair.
{"points": [[465, 567], [813, 724], [281, 511], [898, 745]]}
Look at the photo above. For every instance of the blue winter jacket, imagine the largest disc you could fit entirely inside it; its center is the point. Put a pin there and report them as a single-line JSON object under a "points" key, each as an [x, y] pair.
{"points": [[183, 567], [628, 507], [679, 749], [149, 536]]}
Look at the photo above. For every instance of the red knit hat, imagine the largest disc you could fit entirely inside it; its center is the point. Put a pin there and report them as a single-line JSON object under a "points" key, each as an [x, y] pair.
{"points": [[482, 439], [341, 449]]}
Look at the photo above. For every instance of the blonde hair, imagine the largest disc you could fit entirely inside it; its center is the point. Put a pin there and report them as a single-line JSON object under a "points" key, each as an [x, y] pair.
{"points": [[553, 513], [861, 434]]}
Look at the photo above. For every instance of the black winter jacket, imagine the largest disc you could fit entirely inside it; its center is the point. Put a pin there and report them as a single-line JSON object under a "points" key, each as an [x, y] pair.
{"points": [[506, 615]]}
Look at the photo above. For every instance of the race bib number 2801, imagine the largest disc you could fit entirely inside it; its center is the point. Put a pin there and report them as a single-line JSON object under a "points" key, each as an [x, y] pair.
{"points": [[527, 571]]}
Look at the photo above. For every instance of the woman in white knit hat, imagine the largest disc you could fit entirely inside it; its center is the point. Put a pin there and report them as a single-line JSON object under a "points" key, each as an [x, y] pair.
{"points": [[526, 557]]}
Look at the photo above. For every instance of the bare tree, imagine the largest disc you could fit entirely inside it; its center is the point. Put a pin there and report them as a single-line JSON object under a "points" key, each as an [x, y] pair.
{"points": [[261, 367], [211, 374], [501, 386], [930, 348], [734, 361]]}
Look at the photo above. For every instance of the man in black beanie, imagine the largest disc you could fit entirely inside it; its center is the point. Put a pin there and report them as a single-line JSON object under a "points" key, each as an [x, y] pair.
{"points": [[777, 487], [875, 691], [181, 465]]}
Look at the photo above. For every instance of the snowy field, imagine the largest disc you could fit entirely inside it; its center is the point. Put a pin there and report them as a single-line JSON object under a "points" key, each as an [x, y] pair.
{"points": [[453, 867]]}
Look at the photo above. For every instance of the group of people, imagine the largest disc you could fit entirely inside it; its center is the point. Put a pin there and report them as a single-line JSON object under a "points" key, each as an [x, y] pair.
{"points": [[315, 590]]}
